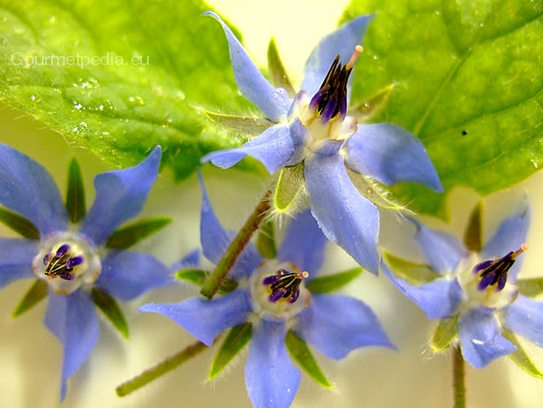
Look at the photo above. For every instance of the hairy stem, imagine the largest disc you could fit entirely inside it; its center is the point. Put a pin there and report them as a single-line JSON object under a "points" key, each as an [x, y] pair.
{"points": [[160, 369], [213, 283], [459, 386]]}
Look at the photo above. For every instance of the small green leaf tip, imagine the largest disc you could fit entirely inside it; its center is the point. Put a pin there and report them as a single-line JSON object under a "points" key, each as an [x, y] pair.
{"points": [[414, 273], [300, 352], [130, 235], [18, 224], [75, 195], [331, 283], [234, 342], [473, 236], [108, 305], [36, 293], [265, 240], [278, 74], [445, 333], [198, 277], [519, 356]]}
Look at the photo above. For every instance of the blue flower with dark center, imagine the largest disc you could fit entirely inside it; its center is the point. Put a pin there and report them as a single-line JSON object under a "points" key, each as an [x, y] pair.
{"points": [[72, 258], [478, 290], [272, 296], [340, 159]]}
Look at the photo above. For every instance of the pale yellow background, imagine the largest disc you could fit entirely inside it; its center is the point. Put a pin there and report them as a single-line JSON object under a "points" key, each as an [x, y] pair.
{"points": [[30, 357]]}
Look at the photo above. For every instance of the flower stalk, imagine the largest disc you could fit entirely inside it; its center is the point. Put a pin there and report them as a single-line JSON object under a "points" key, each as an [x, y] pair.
{"points": [[160, 369], [459, 386], [216, 278]]}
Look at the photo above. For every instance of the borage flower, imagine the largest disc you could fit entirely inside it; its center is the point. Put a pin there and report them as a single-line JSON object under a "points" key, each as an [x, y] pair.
{"points": [[274, 301], [473, 291], [77, 258], [323, 152]]}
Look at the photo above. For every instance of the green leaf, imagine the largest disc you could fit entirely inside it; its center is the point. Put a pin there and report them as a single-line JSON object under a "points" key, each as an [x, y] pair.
{"points": [[473, 237], [19, 224], [519, 357], [331, 283], [122, 77], [265, 240], [130, 235], [199, 276], [36, 293], [75, 195], [414, 273], [469, 78], [237, 338], [446, 332], [279, 77], [289, 188], [301, 353], [530, 287], [108, 305]]}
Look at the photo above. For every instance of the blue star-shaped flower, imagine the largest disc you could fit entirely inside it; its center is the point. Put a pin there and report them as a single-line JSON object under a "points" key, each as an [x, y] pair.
{"points": [[273, 298], [312, 128], [479, 289], [72, 258]]}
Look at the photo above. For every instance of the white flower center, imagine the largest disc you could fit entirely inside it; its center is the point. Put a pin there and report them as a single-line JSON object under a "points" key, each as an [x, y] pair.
{"points": [[262, 295], [491, 296], [66, 261]]}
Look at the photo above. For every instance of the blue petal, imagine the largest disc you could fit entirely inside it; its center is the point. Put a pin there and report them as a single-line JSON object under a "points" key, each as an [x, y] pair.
{"points": [[511, 234], [126, 274], [342, 42], [28, 189], [273, 102], [443, 251], [438, 299], [272, 148], [525, 317], [206, 319], [337, 324], [481, 339], [120, 195], [72, 319], [271, 379], [16, 256], [343, 214], [304, 243], [391, 154], [215, 240]]}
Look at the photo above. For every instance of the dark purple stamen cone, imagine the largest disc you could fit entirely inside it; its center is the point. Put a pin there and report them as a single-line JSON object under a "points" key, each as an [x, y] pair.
{"points": [[62, 263], [284, 284], [495, 272]]}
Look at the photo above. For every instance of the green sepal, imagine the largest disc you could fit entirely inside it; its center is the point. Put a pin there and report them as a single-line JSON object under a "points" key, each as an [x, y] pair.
{"points": [[473, 235], [530, 287], [289, 186], [75, 195], [411, 272], [108, 305], [130, 235], [519, 357], [19, 224], [367, 109], [301, 353], [445, 333], [246, 125], [279, 77], [374, 191], [36, 293], [237, 338], [265, 240], [199, 276], [331, 283]]}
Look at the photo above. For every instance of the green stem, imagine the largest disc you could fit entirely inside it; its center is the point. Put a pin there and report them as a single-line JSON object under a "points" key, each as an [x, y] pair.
{"points": [[160, 369], [213, 283], [459, 386]]}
